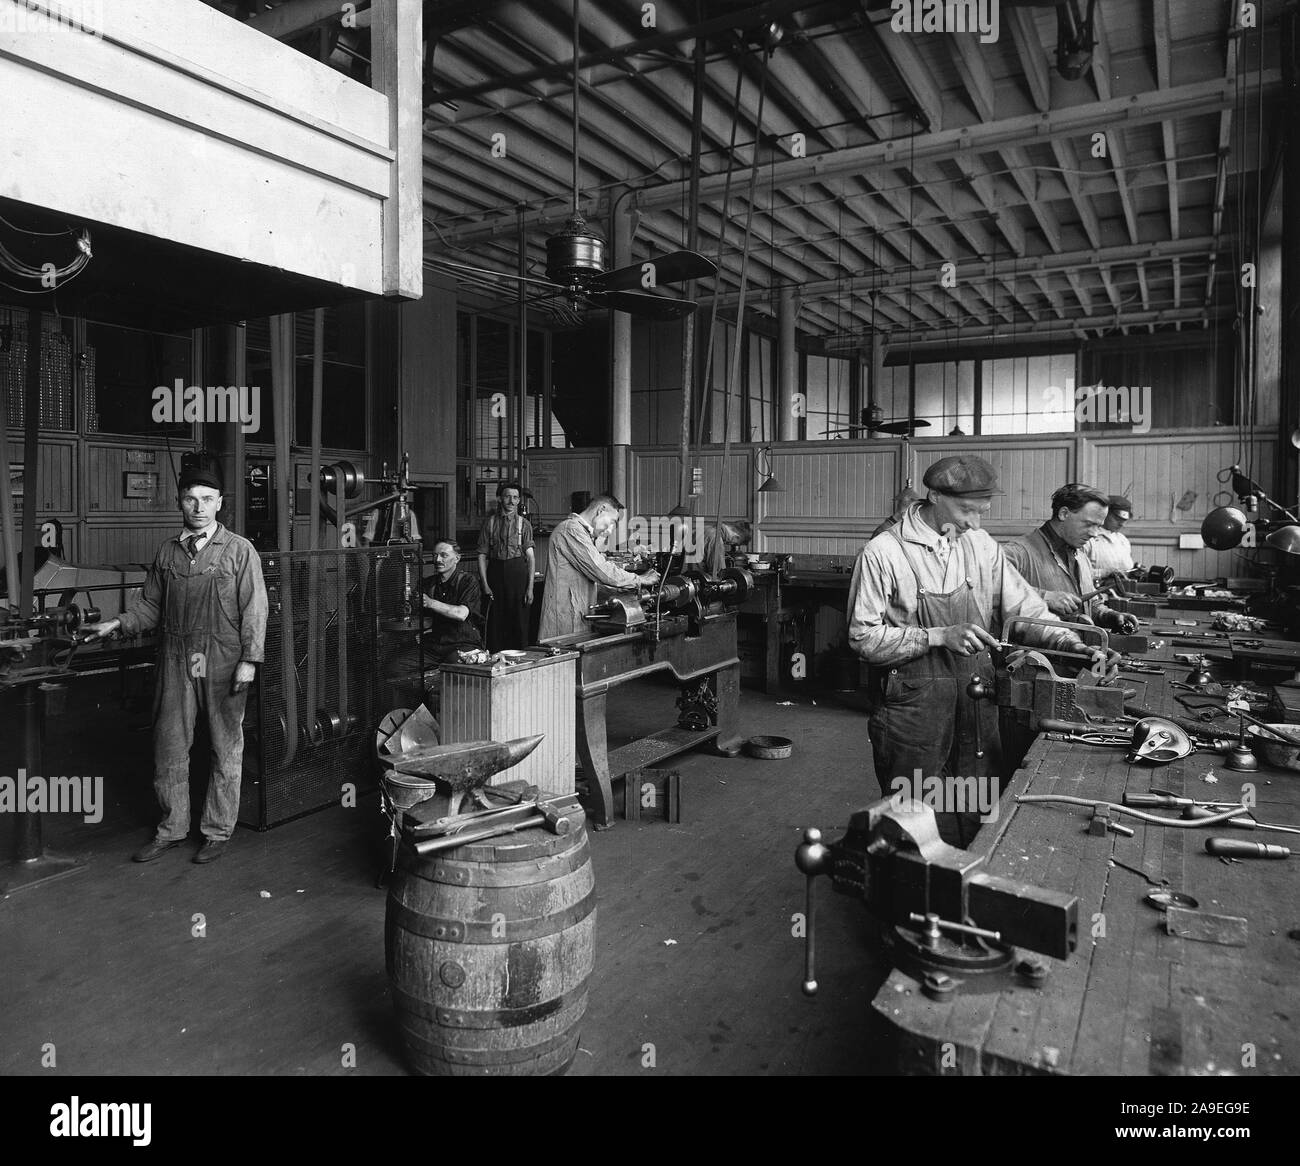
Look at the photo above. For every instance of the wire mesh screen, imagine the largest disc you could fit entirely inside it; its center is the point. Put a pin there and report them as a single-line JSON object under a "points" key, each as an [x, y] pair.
{"points": [[321, 689]]}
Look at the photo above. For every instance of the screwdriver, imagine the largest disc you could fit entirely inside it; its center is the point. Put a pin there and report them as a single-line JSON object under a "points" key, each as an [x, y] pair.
{"points": [[1172, 801], [1234, 848], [1244, 821]]}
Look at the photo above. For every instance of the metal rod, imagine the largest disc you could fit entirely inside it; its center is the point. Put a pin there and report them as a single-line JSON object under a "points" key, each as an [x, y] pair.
{"points": [[692, 244], [31, 461]]}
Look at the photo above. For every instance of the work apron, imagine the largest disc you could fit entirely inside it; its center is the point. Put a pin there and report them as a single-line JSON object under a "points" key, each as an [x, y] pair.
{"points": [[507, 624], [922, 723]]}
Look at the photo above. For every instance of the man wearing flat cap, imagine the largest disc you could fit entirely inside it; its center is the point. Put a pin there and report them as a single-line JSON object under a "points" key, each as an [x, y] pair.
{"points": [[205, 589], [929, 597], [1109, 551], [1051, 559]]}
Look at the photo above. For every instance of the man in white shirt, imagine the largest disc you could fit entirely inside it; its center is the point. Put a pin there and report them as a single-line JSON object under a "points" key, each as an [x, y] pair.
{"points": [[1109, 550], [576, 568]]}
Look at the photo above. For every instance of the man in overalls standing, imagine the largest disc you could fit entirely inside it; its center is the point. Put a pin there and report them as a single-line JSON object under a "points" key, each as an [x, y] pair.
{"points": [[205, 591], [928, 598]]}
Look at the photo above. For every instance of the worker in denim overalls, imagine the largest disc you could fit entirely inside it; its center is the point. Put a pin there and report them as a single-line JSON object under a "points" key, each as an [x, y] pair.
{"points": [[928, 599]]}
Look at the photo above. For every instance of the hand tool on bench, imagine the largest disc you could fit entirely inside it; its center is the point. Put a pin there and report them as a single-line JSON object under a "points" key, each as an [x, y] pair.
{"points": [[1243, 821], [1236, 848], [545, 814], [554, 808], [1161, 799]]}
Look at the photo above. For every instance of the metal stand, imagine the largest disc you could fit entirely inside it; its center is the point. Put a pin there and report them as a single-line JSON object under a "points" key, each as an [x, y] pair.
{"points": [[31, 866]]}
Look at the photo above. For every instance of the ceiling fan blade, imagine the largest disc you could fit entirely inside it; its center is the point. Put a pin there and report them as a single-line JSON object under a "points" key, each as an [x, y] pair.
{"points": [[900, 426], [642, 304], [674, 267]]}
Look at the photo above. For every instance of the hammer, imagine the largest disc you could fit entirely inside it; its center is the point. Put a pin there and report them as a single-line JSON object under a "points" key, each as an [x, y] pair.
{"points": [[554, 819]]}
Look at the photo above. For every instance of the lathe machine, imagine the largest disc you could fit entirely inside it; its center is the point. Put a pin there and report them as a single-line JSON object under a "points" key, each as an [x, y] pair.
{"points": [[686, 625]]}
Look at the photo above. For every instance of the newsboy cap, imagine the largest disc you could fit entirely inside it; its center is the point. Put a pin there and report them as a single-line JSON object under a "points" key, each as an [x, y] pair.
{"points": [[963, 476], [1121, 507]]}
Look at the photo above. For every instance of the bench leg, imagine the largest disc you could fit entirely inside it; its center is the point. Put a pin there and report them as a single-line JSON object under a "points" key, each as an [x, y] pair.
{"points": [[727, 682], [594, 755]]}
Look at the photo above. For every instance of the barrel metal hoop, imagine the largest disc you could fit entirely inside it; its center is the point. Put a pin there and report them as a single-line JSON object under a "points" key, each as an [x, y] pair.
{"points": [[513, 874], [494, 1060], [472, 1018], [485, 931]]}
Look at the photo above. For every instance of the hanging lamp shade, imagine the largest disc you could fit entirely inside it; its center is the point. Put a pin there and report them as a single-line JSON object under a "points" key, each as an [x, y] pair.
{"points": [[771, 486], [1285, 538]]}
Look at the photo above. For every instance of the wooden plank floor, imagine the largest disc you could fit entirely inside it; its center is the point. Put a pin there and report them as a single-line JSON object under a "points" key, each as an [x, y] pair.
{"points": [[105, 966]]}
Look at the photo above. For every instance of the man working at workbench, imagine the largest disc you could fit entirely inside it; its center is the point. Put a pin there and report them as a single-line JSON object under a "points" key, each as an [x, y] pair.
{"points": [[1109, 551], [718, 541], [1053, 563], [929, 597], [575, 568], [205, 588], [454, 598]]}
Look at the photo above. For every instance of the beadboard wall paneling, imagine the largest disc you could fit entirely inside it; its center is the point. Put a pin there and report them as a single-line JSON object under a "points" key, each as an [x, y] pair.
{"points": [[124, 542], [844, 481], [55, 477], [552, 475], [653, 479], [106, 466], [1029, 470]]}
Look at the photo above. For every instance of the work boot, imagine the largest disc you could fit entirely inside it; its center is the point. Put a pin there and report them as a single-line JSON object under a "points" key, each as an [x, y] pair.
{"points": [[154, 849], [210, 851]]}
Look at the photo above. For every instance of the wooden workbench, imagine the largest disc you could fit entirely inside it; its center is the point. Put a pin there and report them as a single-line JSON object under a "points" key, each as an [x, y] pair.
{"points": [[1132, 1000]]}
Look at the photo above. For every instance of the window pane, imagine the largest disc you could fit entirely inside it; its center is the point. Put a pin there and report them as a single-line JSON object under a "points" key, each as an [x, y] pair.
{"points": [[966, 395], [128, 365], [930, 387], [815, 386]]}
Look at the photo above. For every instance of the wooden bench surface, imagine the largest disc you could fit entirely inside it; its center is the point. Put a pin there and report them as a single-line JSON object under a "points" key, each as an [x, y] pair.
{"points": [[1132, 1000]]}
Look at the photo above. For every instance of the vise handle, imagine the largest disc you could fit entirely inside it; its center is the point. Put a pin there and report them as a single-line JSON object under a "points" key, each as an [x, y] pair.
{"points": [[892, 857]]}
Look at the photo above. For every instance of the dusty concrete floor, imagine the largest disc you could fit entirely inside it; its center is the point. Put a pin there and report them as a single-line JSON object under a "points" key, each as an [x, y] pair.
{"points": [[104, 964]]}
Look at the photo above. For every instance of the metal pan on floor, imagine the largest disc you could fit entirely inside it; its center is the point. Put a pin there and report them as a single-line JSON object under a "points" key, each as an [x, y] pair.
{"points": [[769, 748]]}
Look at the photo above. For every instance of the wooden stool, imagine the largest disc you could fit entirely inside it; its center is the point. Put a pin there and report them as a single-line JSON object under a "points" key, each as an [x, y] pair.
{"points": [[648, 788]]}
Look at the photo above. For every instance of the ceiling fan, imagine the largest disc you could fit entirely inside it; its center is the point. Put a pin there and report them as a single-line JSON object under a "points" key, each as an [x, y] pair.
{"points": [[575, 259], [872, 422]]}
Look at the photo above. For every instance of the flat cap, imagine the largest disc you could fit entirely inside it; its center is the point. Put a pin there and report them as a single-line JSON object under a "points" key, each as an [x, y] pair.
{"points": [[199, 476], [1121, 507], [963, 476]]}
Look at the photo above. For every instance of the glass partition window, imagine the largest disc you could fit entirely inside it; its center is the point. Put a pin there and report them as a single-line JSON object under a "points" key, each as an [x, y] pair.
{"points": [[1029, 394]]}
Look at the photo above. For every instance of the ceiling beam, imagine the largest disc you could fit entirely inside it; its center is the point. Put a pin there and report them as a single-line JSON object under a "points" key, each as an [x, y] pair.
{"points": [[1064, 262], [752, 17], [1073, 121], [920, 343]]}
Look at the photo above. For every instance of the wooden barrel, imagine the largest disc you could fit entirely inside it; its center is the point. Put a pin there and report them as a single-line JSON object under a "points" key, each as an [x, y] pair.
{"points": [[489, 949]]}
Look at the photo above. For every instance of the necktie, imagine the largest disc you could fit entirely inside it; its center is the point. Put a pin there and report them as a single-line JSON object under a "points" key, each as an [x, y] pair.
{"points": [[190, 542]]}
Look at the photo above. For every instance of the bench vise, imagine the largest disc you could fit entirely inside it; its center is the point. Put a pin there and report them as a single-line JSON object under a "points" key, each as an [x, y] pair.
{"points": [[945, 918], [1029, 688]]}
